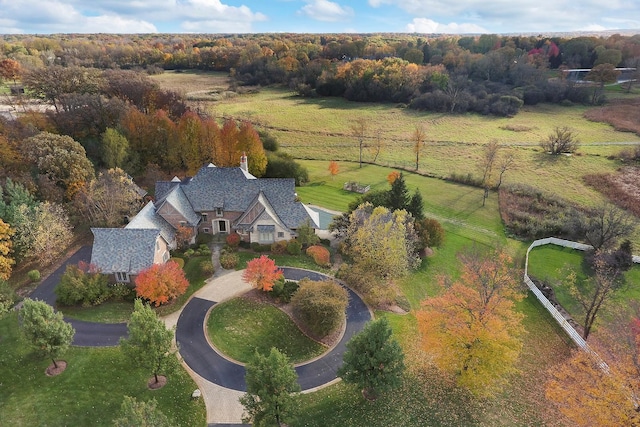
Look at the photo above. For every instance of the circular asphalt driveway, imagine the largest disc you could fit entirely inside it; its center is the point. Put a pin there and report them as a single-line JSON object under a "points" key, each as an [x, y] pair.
{"points": [[192, 341], [88, 334], [206, 362]]}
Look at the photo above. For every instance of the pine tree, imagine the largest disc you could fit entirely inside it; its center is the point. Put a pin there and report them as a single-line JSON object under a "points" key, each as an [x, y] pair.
{"points": [[373, 360], [272, 389]]}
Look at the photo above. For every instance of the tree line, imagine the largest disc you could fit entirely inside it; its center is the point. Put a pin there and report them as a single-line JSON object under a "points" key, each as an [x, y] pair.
{"points": [[488, 74]]}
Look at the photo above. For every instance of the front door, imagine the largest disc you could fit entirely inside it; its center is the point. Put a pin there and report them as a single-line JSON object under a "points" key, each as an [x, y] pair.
{"points": [[222, 226]]}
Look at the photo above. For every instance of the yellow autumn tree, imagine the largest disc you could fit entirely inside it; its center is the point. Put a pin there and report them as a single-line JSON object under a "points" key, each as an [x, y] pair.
{"points": [[589, 393], [591, 396], [472, 330], [6, 261]]}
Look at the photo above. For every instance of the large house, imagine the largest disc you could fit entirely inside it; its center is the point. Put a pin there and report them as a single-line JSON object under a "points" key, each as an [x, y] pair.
{"points": [[215, 201]]}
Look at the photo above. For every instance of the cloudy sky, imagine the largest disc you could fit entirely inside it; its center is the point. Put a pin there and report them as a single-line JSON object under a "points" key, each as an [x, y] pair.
{"points": [[315, 16]]}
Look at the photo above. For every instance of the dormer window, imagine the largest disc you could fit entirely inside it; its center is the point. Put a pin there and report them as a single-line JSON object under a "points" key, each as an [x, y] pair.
{"points": [[204, 217], [218, 211]]}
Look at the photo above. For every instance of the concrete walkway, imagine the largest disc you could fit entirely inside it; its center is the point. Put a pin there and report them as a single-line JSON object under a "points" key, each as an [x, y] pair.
{"points": [[223, 406]]}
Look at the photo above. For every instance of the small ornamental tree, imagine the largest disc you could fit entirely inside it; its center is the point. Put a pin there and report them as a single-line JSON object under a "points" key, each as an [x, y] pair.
{"points": [[320, 305], [272, 390], [233, 240], [45, 329], [373, 360], [82, 284], [161, 282], [307, 235], [262, 273], [334, 168], [149, 341]]}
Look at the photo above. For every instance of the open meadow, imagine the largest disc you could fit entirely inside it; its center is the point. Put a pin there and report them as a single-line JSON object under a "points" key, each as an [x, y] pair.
{"points": [[320, 129]]}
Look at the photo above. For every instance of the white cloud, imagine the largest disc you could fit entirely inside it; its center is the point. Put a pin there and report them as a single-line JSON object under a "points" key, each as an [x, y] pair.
{"points": [[327, 11], [522, 15], [124, 16], [113, 24], [425, 25]]}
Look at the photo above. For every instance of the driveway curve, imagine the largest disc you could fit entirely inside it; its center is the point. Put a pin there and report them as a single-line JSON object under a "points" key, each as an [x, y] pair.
{"points": [[88, 334], [206, 362]]}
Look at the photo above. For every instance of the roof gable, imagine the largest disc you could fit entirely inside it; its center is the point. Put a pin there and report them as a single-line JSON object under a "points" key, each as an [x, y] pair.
{"points": [[148, 218]]}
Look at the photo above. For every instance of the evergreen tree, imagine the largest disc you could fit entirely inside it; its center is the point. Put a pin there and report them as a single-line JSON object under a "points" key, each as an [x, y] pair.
{"points": [[272, 389], [373, 360], [398, 197], [415, 206]]}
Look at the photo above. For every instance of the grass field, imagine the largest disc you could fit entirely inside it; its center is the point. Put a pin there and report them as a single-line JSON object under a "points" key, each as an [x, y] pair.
{"points": [[88, 392], [319, 128], [240, 327], [551, 263]]}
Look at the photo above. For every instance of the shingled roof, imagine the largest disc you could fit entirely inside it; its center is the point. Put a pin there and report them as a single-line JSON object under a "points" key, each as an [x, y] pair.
{"points": [[148, 218], [176, 198], [233, 190], [124, 250]]}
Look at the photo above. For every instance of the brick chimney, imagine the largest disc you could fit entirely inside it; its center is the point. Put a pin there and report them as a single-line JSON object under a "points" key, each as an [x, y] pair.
{"points": [[243, 162]]}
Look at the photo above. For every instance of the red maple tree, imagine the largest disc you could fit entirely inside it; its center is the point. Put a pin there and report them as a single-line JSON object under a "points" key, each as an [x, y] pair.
{"points": [[262, 273], [161, 283]]}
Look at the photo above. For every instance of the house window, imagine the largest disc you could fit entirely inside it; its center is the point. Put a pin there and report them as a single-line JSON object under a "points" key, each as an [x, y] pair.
{"points": [[266, 233], [218, 211], [222, 226], [280, 234], [204, 217], [122, 277], [165, 256], [206, 230]]}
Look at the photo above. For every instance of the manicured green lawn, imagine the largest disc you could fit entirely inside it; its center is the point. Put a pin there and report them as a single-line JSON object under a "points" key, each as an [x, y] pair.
{"points": [[107, 312], [89, 392], [239, 327]]}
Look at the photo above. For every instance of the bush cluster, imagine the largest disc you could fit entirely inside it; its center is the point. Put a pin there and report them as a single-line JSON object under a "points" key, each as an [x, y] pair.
{"points": [[320, 255], [257, 247], [294, 247], [233, 240], [206, 267], [33, 275], [531, 214], [229, 260], [279, 247], [284, 290], [320, 306], [87, 288]]}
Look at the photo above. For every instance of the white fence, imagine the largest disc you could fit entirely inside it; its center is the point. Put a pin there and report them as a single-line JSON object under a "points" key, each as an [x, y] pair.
{"points": [[562, 321]]}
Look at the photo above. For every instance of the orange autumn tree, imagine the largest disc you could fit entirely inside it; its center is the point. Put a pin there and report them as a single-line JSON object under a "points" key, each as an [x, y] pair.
{"points": [[589, 395], [334, 168], [472, 330], [262, 273], [161, 283]]}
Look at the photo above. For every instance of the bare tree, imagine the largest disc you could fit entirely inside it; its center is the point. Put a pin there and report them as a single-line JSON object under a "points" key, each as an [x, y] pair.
{"points": [[377, 146], [604, 225], [490, 153], [506, 163], [561, 140], [359, 129], [418, 138]]}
